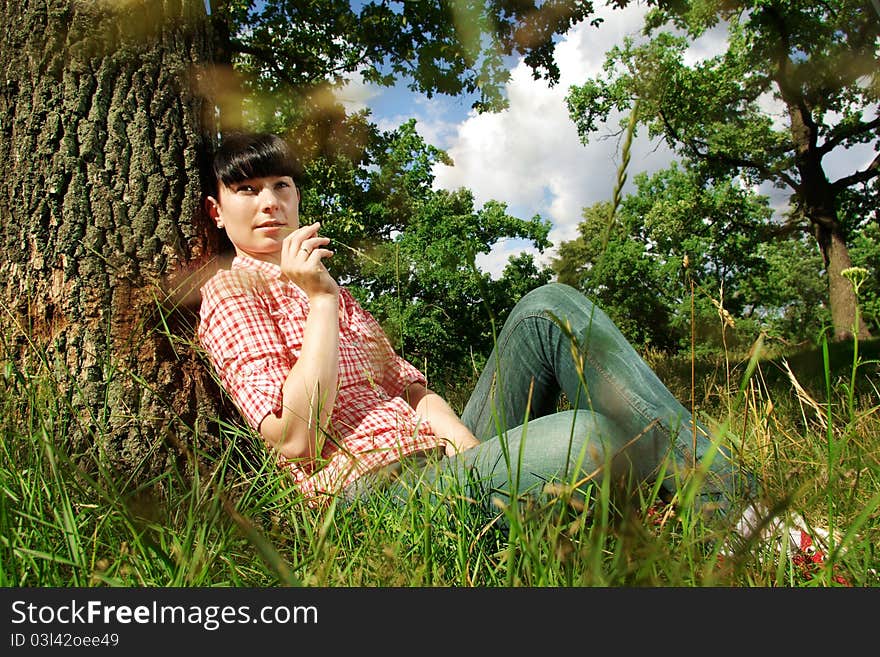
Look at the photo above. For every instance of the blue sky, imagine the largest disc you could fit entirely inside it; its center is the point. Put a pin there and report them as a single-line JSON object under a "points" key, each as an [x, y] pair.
{"points": [[529, 156]]}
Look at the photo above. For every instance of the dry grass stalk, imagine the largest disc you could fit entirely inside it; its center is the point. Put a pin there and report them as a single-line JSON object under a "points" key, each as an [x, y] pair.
{"points": [[804, 397]]}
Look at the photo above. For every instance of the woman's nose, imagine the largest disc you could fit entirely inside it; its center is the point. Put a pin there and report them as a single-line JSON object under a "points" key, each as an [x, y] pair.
{"points": [[268, 199]]}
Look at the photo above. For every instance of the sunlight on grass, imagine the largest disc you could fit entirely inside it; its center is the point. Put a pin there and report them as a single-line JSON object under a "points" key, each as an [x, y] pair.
{"points": [[236, 520]]}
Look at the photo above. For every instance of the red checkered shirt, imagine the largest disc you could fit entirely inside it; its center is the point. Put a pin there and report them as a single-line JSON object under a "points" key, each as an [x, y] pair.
{"points": [[251, 325]]}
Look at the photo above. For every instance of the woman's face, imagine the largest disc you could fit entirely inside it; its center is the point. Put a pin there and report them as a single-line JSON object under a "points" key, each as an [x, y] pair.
{"points": [[257, 214]]}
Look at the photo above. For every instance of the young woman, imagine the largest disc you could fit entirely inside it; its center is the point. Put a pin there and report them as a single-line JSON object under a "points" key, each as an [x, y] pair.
{"points": [[315, 375]]}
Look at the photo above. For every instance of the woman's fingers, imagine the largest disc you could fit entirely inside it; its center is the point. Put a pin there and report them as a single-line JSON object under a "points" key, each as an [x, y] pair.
{"points": [[308, 246], [295, 240], [302, 258], [303, 241]]}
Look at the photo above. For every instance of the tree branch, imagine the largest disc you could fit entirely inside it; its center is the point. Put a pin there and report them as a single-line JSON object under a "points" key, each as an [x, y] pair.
{"points": [[269, 58], [869, 172], [723, 158], [264, 57], [843, 135]]}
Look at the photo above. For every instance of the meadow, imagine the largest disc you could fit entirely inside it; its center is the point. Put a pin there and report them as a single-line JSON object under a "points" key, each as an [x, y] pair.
{"points": [[807, 421]]}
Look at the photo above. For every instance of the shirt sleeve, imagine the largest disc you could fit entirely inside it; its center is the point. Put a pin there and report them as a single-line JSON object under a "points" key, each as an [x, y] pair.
{"points": [[395, 374], [246, 348]]}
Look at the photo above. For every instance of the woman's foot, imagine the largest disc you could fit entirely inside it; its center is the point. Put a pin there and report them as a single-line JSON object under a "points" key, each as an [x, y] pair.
{"points": [[785, 534]]}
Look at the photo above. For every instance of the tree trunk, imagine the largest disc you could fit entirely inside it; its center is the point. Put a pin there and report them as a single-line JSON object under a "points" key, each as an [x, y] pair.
{"points": [[102, 137], [841, 296], [819, 203]]}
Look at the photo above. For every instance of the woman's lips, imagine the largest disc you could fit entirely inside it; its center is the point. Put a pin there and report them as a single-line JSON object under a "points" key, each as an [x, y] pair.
{"points": [[271, 227]]}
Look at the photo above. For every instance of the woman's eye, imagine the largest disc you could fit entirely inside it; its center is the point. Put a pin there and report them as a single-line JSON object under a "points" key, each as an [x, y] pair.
{"points": [[245, 189]]}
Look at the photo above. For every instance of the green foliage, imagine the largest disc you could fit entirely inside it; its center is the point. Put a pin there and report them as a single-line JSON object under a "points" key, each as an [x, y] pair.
{"points": [[433, 302], [639, 277], [440, 46], [789, 301], [364, 200], [622, 277], [817, 62]]}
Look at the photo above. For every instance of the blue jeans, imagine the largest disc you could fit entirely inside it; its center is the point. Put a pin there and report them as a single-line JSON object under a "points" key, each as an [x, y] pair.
{"points": [[624, 422]]}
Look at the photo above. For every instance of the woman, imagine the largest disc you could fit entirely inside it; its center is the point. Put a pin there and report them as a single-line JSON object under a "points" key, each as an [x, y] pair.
{"points": [[316, 376]]}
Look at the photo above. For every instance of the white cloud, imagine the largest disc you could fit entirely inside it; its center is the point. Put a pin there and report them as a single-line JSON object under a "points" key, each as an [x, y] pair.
{"points": [[356, 94], [530, 156], [437, 118]]}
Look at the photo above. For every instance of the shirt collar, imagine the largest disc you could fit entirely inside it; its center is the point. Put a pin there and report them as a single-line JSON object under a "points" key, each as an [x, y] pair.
{"points": [[269, 269]]}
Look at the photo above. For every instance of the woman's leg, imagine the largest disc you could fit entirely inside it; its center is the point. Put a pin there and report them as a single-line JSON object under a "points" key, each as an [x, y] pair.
{"points": [[534, 360], [575, 449]]}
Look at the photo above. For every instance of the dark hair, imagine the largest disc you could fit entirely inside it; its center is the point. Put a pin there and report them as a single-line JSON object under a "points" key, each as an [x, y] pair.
{"points": [[244, 155]]}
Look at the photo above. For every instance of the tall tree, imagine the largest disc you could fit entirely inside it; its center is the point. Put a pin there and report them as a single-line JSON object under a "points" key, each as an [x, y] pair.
{"points": [[101, 135], [819, 61], [106, 112]]}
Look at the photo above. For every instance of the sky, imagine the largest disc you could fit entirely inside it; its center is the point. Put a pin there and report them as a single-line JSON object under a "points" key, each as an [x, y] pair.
{"points": [[529, 156]]}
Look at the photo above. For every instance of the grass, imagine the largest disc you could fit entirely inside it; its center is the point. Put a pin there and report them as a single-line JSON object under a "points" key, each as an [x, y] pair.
{"points": [[811, 429]]}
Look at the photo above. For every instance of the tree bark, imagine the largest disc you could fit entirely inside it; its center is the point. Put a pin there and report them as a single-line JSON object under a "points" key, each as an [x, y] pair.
{"points": [[842, 297], [819, 202], [103, 239]]}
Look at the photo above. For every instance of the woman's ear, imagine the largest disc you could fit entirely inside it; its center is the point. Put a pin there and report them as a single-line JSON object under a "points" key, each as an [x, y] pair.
{"points": [[212, 205]]}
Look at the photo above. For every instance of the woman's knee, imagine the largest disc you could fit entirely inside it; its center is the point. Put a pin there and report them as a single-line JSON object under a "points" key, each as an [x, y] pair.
{"points": [[593, 445], [551, 296], [559, 302]]}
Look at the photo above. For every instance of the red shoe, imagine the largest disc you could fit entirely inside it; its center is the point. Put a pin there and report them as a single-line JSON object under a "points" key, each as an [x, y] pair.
{"points": [[809, 558]]}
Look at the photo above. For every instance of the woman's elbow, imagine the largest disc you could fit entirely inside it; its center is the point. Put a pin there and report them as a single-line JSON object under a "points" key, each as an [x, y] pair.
{"points": [[297, 451], [290, 440], [415, 393]]}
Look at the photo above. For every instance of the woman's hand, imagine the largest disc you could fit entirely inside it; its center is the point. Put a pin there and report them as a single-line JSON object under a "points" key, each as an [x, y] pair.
{"points": [[302, 262], [460, 443], [443, 420]]}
